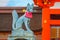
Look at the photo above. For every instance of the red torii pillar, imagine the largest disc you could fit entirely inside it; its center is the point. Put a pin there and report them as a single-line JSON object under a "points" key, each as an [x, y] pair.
{"points": [[45, 24], [45, 17]]}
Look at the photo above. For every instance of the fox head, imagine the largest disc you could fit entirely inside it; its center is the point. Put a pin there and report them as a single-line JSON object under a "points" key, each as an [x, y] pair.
{"points": [[30, 7]]}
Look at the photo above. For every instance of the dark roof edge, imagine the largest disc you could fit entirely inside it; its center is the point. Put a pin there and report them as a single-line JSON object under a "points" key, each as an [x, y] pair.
{"points": [[16, 8]]}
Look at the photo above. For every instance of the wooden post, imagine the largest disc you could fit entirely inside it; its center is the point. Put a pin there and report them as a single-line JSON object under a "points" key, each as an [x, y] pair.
{"points": [[45, 24]]}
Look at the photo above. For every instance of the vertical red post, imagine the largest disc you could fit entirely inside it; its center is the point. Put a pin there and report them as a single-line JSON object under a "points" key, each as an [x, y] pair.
{"points": [[45, 24]]}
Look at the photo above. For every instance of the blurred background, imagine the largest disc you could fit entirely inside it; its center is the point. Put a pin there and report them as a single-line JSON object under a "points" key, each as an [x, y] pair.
{"points": [[14, 2]]}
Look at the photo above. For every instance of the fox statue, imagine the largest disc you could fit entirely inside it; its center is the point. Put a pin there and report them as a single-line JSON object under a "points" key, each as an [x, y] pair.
{"points": [[17, 29]]}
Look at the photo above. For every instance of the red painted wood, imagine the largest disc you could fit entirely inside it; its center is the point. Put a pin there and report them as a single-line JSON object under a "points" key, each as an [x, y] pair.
{"points": [[55, 22], [45, 24], [54, 11]]}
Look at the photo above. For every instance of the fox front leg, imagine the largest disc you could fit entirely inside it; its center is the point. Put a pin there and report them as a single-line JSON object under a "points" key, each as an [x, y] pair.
{"points": [[26, 22]]}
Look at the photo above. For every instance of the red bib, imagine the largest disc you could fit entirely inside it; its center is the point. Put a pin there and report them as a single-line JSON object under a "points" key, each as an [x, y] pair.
{"points": [[28, 14]]}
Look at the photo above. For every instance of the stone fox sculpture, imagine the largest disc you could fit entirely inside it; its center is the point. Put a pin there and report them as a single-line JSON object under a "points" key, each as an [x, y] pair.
{"points": [[18, 22]]}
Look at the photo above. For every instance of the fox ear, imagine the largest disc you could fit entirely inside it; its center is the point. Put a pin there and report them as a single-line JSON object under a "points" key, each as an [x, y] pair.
{"points": [[28, 5], [32, 4]]}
